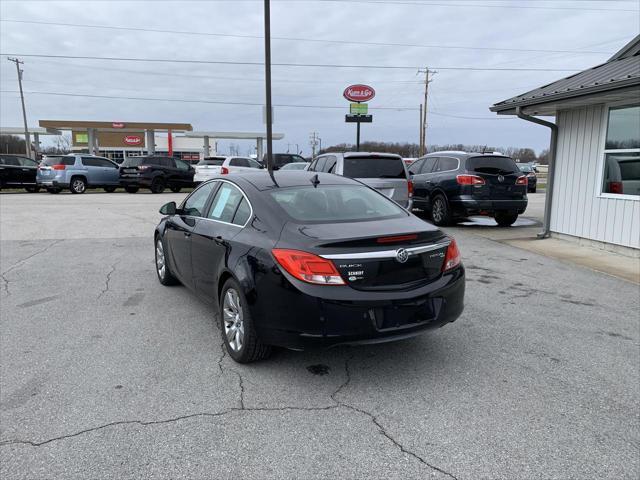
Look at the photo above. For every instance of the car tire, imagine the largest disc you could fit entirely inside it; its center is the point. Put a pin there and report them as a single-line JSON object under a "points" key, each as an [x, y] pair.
{"points": [[237, 328], [54, 190], [77, 185], [110, 189], [131, 189], [32, 189], [440, 211], [157, 185], [175, 189], [163, 270], [505, 219]]}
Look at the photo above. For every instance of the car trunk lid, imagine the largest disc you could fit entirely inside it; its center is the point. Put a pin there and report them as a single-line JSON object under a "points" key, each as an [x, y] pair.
{"points": [[500, 175]]}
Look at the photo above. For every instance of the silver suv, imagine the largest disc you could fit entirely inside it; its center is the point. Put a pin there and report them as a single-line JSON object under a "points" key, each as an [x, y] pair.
{"points": [[77, 173], [386, 172]]}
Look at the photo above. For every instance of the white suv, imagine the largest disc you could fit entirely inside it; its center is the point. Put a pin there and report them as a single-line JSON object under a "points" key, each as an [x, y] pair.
{"points": [[209, 167]]}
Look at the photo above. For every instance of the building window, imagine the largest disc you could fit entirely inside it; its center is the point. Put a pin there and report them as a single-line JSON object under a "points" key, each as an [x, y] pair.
{"points": [[622, 152]]}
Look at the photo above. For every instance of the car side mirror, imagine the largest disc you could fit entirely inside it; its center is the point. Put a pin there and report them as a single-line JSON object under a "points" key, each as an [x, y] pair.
{"points": [[169, 208]]}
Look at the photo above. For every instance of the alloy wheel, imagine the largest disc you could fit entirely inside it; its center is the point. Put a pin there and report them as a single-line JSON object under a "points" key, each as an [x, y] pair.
{"points": [[438, 210], [78, 185], [233, 319], [160, 261]]}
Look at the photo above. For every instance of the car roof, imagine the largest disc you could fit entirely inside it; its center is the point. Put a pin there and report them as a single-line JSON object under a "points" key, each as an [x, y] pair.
{"points": [[461, 154], [261, 180], [367, 154]]}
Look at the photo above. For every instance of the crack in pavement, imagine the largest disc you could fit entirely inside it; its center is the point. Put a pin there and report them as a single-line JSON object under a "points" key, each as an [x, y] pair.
{"points": [[377, 423], [20, 262], [107, 280]]}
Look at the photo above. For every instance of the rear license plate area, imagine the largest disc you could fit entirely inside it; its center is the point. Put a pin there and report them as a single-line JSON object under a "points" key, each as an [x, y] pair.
{"points": [[402, 316]]}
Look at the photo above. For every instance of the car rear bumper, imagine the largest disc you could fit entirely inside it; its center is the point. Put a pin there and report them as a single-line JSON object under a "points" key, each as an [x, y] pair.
{"points": [[353, 316], [51, 183], [134, 181], [469, 206]]}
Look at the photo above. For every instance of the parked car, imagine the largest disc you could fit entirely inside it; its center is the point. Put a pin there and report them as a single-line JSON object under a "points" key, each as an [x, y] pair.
{"points": [[280, 159], [155, 172], [459, 184], [77, 173], [209, 167], [295, 166], [317, 259], [18, 171], [622, 173], [532, 179], [386, 172]]}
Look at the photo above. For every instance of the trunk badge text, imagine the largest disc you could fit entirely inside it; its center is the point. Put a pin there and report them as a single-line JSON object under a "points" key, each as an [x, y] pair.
{"points": [[402, 255]]}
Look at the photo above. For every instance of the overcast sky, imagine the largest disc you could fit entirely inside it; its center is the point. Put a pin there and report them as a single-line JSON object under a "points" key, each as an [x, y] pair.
{"points": [[579, 28]]}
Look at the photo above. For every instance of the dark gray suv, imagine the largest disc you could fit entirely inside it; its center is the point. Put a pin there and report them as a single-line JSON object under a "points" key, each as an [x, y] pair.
{"points": [[460, 184]]}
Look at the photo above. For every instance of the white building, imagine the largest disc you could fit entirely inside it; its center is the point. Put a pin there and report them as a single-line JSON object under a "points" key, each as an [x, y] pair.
{"points": [[593, 192]]}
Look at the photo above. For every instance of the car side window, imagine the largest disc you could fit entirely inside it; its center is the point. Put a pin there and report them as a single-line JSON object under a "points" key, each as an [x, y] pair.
{"points": [[446, 164], [225, 203], [168, 162], [90, 162], [242, 213], [182, 165], [13, 161], [27, 162], [429, 164], [239, 162], [320, 163], [330, 164], [253, 163], [414, 168], [151, 161], [105, 162], [195, 203]]}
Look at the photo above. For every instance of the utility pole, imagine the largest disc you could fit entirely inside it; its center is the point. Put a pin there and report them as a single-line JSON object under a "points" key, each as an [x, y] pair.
{"points": [[427, 81], [421, 142], [267, 84], [313, 141], [27, 137]]}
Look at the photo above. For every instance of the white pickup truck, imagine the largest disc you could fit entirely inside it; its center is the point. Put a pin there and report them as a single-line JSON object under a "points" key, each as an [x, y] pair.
{"points": [[209, 167]]}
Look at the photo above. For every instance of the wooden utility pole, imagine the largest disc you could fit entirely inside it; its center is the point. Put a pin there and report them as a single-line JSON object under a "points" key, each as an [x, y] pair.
{"points": [[27, 137], [427, 81], [421, 141]]}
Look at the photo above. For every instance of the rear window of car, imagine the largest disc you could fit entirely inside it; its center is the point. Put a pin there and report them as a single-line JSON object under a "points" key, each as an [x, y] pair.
{"points": [[525, 168], [59, 161], [374, 167], [133, 161], [494, 165], [212, 161], [335, 203], [280, 159]]}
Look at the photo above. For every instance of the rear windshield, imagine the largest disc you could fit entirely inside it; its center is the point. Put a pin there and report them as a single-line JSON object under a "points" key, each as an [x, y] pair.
{"points": [[335, 203], [216, 161], [133, 161], [280, 159], [59, 161], [489, 164], [525, 168], [374, 167]]}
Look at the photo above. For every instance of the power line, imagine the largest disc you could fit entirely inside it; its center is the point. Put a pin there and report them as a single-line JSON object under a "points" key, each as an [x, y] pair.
{"points": [[301, 39], [317, 65], [214, 102]]}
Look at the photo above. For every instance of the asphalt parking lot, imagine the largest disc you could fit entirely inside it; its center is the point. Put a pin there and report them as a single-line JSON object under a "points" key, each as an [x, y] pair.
{"points": [[107, 374]]}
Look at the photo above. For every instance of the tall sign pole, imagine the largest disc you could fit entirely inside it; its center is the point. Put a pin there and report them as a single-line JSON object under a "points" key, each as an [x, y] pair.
{"points": [[358, 112], [27, 137], [267, 81]]}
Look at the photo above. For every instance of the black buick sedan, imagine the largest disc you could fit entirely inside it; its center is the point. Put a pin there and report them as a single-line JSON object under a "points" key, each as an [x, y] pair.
{"points": [[314, 260]]}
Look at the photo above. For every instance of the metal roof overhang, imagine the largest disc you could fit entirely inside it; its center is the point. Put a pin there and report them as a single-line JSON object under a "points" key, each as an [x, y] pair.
{"points": [[32, 130], [234, 135], [109, 126], [550, 104]]}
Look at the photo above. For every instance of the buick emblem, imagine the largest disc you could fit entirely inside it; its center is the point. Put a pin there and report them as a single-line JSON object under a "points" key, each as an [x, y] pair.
{"points": [[501, 178], [402, 255]]}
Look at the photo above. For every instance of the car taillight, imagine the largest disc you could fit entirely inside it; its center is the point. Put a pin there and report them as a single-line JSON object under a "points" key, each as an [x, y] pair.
{"points": [[522, 180], [410, 188], [397, 238], [469, 180], [452, 258], [224, 170], [615, 187], [60, 166], [308, 267]]}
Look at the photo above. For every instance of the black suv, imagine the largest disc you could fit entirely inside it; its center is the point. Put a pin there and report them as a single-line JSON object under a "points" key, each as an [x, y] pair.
{"points": [[459, 184], [155, 172], [18, 171]]}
